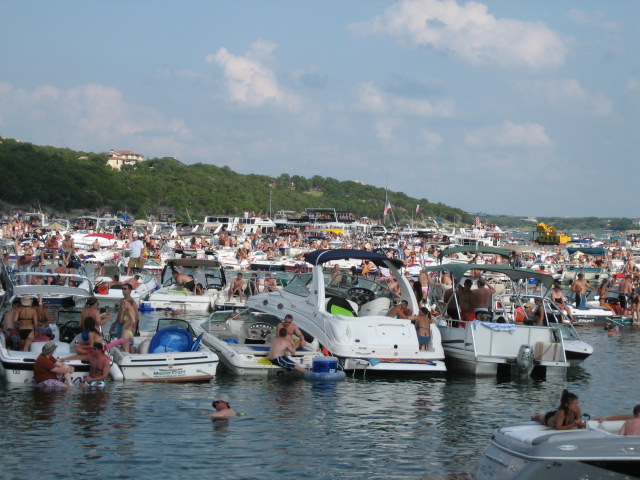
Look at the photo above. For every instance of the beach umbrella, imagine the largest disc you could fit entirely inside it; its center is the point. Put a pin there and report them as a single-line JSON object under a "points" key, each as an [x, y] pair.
{"points": [[56, 226], [125, 217], [108, 236], [337, 231]]}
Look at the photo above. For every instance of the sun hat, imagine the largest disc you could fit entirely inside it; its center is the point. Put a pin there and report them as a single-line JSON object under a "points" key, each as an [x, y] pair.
{"points": [[48, 347], [26, 301], [222, 398]]}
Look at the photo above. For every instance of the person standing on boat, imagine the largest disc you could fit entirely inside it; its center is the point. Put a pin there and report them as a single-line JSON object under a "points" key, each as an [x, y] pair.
{"points": [[136, 261], [279, 348], [625, 288], [481, 297], [423, 323], [68, 248], [127, 319], [91, 311], [270, 283], [292, 329], [579, 287]]}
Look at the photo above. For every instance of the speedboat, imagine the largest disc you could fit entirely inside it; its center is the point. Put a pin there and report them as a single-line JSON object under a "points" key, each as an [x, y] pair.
{"points": [[208, 273], [496, 344], [532, 451], [348, 315], [110, 294], [57, 289], [17, 366], [168, 354], [242, 340]]}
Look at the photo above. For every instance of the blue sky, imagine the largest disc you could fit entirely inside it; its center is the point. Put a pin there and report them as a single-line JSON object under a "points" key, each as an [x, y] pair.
{"points": [[526, 108]]}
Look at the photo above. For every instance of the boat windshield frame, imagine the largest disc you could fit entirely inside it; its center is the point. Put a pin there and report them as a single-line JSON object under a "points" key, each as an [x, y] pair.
{"points": [[299, 285]]}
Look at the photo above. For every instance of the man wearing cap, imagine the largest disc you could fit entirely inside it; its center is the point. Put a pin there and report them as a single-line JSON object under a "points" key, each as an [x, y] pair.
{"points": [[99, 365], [47, 369], [135, 254], [223, 410], [579, 287]]}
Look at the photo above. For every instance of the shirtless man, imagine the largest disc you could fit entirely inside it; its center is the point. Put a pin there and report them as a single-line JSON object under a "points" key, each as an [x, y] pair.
{"points": [[181, 279], [634, 305], [481, 297], [423, 323], [91, 310], [51, 247], [68, 247], [292, 329], [99, 365], [270, 283], [632, 426], [557, 297], [223, 410], [279, 348], [579, 287], [236, 287], [401, 310], [625, 287]]}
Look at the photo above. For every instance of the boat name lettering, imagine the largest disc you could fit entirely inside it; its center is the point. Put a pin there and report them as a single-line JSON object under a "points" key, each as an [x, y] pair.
{"points": [[169, 373]]}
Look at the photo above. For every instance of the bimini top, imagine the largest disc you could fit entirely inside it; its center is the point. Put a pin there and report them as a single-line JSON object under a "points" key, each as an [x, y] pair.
{"points": [[318, 257], [459, 269], [193, 263], [474, 249]]}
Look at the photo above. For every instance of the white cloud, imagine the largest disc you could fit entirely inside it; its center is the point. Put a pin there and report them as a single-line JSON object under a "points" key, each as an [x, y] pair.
{"points": [[432, 140], [85, 116], [509, 135], [568, 91], [372, 99], [384, 128], [249, 81], [469, 32], [596, 19]]}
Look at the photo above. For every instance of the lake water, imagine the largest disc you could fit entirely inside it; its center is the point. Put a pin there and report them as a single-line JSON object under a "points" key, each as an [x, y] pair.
{"points": [[361, 428]]}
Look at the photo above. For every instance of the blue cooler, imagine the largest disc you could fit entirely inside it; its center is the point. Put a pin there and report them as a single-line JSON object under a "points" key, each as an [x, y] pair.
{"points": [[324, 365]]}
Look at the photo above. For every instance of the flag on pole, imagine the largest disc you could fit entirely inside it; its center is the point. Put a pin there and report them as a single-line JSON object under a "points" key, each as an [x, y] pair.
{"points": [[418, 208], [386, 208]]}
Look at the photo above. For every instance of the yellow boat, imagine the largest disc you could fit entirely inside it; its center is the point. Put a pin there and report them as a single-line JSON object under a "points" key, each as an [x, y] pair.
{"points": [[547, 235]]}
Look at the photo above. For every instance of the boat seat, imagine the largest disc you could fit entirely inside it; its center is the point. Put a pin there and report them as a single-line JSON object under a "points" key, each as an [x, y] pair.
{"points": [[144, 346], [375, 307], [61, 350], [342, 306]]}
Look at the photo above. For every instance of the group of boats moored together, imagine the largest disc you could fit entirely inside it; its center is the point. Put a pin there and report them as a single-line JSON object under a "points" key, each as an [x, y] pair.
{"points": [[341, 286]]}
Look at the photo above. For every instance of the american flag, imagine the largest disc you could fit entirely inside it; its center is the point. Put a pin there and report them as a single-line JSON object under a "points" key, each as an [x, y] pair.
{"points": [[387, 208]]}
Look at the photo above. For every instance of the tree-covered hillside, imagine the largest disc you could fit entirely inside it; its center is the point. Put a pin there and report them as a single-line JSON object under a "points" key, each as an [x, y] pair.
{"points": [[65, 180]]}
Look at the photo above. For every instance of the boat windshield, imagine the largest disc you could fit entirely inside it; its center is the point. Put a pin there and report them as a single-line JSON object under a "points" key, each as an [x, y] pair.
{"points": [[340, 285], [248, 315], [299, 285]]}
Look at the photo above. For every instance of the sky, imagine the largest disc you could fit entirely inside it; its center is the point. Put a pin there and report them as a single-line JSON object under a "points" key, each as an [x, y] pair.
{"points": [[512, 107]]}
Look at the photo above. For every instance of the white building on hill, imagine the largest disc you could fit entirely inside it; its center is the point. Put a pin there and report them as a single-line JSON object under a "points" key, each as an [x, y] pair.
{"points": [[123, 157]]}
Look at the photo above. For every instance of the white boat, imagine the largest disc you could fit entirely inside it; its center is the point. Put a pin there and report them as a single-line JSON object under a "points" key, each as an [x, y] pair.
{"points": [[530, 451], [209, 273], [168, 354], [66, 289], [350, 319], [499, 347], [110, 295], [242, 340], [17, 366]]}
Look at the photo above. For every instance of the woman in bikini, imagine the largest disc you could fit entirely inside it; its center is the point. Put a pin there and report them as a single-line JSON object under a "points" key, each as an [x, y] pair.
{"points": [[90, 335], [43, 330], [26, 322], [129, 322], [567, 416]]}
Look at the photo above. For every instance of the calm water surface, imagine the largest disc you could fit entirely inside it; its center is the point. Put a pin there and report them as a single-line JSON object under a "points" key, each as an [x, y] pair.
{"points": [[393, 428]]}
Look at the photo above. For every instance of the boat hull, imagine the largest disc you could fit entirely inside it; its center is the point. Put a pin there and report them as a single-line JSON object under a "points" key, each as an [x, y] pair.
{"points": [[197, 366]]}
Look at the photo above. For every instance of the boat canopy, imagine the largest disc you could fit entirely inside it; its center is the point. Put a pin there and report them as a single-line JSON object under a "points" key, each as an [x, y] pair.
{"points": [[193, 263], [458, 270], [592, 251], [474, 249], [319, 257]]}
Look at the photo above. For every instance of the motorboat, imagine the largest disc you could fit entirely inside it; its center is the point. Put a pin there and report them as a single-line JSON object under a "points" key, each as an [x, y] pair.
{"points": [[507, 307], [348, 315], [170, 353], [17, 366], [209, 273], [108, 291], [532, 451], [57, 289], [242, 340], [495, 345]]}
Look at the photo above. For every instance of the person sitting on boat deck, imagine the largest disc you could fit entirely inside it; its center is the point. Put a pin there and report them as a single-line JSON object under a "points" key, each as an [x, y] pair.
{"points": [[481, 297], [579, 287], [135, 282], [90, 335], [335, 271], [199, 290], [99, 365], [43, 328], [51, 247], [252, 286], [236, 287], [557, 297], [401, 310], [292, 329], [11, 333], [223, 409], [535, 316], [423, 323], [625, 288], [27, 320], [95, 246], [270, 283], [354, 275], [567, 416], [278, 350], [47, 370], [68, 247], [99, 271], [182, 280]]}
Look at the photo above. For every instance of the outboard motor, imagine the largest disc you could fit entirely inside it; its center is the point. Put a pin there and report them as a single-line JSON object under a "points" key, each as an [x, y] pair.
{"points": [[524, 360]]}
